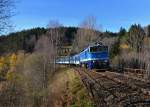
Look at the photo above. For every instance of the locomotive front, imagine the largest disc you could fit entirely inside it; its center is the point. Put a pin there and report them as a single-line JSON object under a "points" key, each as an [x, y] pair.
{"points": [[99, 57]]}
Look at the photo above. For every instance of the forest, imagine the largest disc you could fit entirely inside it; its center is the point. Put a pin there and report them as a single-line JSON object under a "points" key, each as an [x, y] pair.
{"points": [[29, 76]]}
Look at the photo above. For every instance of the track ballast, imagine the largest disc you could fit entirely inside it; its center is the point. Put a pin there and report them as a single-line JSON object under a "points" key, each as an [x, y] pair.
{"points": [[109, 89]]}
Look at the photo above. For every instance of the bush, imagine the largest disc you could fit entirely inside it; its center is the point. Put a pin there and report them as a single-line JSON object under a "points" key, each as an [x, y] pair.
{"points": [[10, 75]]}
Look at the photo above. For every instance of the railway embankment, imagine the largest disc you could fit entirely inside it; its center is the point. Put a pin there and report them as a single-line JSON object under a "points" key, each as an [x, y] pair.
{"points": [[67, 90]]}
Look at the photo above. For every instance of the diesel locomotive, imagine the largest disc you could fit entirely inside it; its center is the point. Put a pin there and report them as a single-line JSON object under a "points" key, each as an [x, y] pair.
{"points": [[95, 56]]}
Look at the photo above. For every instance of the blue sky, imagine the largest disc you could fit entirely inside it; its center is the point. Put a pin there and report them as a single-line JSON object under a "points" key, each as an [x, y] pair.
{"points": [[110, 14]]}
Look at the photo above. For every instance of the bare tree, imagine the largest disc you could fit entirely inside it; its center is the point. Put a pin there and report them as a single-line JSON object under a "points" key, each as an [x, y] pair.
{"points": [[49, 43], [5, 13], [38, 68], [145, 56], [86, 34], [45, 49], [55, 34], [109, 41], [41, 65]]}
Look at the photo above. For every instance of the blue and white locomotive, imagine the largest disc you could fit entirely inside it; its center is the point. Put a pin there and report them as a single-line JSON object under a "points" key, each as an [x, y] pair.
{"points": [[94, 56]]}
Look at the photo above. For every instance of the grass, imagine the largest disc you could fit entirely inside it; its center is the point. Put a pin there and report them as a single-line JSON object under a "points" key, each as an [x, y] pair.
{"points": [[79, 93], [67, 90]]}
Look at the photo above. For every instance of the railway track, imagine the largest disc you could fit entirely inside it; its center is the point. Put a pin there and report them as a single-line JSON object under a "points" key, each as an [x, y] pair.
{"points": [[113, 90], [131, 81], [137, 74]]}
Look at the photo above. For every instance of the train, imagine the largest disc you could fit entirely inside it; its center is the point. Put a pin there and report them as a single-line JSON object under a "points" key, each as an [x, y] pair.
{"points": [[95, 56]]}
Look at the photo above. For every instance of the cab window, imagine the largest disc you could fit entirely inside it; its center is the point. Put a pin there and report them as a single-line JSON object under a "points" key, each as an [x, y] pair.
{"points": [[98, 48]]}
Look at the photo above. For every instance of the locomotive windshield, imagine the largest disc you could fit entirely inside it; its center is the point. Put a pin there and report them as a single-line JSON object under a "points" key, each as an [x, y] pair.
{"points": [[98, 48]]}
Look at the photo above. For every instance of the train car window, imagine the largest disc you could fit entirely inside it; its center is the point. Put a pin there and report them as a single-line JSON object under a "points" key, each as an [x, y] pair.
{"points": [[98, 48]]}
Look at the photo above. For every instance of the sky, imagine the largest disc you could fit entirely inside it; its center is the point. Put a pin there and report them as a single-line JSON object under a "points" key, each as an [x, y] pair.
{"points": [[110, 14]]}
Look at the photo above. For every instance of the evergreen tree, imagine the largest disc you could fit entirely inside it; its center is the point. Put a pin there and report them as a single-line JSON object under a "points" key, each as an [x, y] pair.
{"points": [[122, 32], [136, 37]]}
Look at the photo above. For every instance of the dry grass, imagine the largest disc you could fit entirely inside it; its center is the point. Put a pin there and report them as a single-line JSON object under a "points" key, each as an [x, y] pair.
{"points": [[66, 90]]}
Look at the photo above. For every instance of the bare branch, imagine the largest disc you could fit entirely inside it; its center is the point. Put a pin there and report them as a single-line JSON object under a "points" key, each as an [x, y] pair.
{"points": [[5, 13], [86, 34]]}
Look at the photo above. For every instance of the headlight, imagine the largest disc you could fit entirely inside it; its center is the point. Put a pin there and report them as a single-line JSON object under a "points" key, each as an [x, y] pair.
{"points": [[105, 60], [93, 61]]}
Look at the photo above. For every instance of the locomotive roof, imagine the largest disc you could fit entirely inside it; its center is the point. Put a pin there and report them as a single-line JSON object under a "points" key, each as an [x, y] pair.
{"points": [[96, 44], [92, 45]]}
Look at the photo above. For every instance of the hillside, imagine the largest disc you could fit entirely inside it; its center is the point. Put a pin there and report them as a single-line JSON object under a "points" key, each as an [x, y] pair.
{"points": [[26, 39]]}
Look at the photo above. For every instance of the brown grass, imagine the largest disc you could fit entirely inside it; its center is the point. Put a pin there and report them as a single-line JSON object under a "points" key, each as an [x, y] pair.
{"points": [[65, 84]]}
